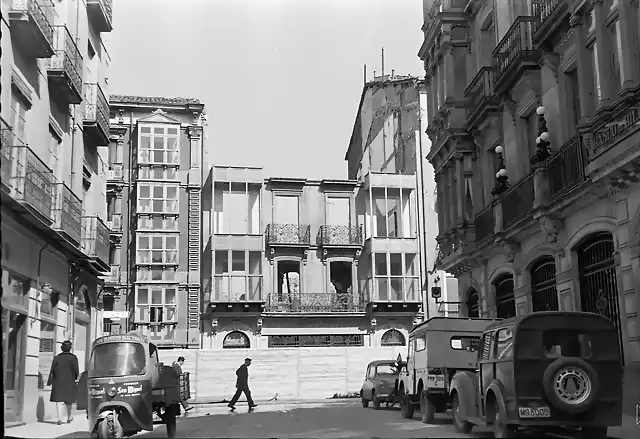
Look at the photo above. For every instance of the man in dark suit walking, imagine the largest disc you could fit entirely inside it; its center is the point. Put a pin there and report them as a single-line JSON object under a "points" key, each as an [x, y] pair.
{"points": [[242, 385], [177, 366]]}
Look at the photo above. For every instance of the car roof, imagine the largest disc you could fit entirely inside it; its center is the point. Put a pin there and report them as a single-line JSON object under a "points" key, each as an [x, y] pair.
{"points": [[518, 320], [446, 323]]}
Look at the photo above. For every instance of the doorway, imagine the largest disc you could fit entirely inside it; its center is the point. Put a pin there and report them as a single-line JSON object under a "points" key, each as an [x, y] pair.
{"points": [[14, 333], [341, 279], [288, 281]]}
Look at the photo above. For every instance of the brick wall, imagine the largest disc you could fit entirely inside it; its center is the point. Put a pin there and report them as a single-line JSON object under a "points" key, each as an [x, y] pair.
{"points": [[301, 373]]}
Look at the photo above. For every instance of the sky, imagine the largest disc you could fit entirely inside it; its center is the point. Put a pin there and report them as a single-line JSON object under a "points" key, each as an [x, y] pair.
{"points": [[281, 79]]}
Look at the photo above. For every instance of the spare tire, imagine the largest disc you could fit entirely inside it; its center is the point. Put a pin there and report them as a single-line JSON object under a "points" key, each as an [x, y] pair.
{"points": [[571, 385]]}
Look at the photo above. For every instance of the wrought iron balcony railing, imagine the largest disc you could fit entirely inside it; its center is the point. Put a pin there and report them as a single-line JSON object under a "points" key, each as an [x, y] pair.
{"points": [[566, 168], [100, 13], [340, 235], [516, 46], [67, 213], [303, 302], [479, 92], [483, 223], [32, 181], [96, 113], [547, 12], [65, 66], [517, 202], [6, 158], [95, 238], [288, 234], [115, 174], [32, 25]]}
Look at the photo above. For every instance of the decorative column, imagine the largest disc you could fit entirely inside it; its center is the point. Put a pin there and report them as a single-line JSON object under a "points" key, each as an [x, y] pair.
{"points": [[449, 73], [443, 212], [585, 78], [605, 76], [539, 161], [629, 68], [451, 196], [194, 192], [459, 188]]}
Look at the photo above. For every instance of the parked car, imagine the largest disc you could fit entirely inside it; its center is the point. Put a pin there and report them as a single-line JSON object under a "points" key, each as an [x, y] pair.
{"points": [[543, 370], [379, 383], [438, 348]]}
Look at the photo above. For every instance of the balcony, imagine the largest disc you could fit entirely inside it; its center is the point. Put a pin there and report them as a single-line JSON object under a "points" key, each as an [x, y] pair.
{"points": [[566, 168], [517, 202], [32, 26], [340, 236], [67, 214], [483, 225], [65, 67], [96, 114], [8, 140], [288, 235], [515, 53], [95, 242], [100, 14], [115, 175], [549, 14], [315, 303], [115, 225], [480, 96], [32, 183]]}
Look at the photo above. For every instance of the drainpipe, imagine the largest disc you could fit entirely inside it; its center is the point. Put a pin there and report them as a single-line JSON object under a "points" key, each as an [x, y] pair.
{"points": [[425, 246], [128, 187], [75, 106]]}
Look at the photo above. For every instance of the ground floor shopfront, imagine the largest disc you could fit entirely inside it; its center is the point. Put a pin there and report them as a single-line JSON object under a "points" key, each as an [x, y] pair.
{"points": [[44, 302]]}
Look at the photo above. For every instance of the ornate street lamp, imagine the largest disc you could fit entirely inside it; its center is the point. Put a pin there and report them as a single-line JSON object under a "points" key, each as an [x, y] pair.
{"points": [[542, 141], [502, 180]]}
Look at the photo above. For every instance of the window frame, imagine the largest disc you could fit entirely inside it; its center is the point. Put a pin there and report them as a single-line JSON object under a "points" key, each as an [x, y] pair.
{"points": [[152, 199], [142, 218], [19, 130], [148, 305], [165, 259], [404, 231], [145, 173], [163, 269], [165, 136], [226, 277], [406, 279], [508, 353], [55, 150]]}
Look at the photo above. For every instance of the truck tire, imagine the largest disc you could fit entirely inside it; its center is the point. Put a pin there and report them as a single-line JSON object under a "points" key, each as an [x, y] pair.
{"points": [[376, 401], [427, 409], [461, 426], [406, 407], [571, 385]]}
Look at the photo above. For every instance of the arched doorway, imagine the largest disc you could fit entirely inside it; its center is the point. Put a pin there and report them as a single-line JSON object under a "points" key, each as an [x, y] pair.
{"points": [[472, 304], [236, 340], [393, 337], [598, 283], [544, 296], [505, 300]]}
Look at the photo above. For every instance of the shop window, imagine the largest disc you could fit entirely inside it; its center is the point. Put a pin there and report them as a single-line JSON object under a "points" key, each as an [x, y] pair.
{"points": [[236, 340]]}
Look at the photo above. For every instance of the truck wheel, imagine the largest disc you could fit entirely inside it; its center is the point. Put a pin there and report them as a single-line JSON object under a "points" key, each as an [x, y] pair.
{"points": [[427, 409], [500, 429], [365, 402], [459, 424], [376, 401], [406, 408]]}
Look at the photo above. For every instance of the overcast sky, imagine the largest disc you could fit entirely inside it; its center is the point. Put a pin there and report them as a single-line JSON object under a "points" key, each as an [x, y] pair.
{"points": [[281, 79]]}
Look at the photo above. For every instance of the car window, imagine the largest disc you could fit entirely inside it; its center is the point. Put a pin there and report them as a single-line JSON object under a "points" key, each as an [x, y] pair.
{"points": [[504, 344], [385, 369], [566, 343], [485, 346], [465, 343], [370, 372], [421, 343]]}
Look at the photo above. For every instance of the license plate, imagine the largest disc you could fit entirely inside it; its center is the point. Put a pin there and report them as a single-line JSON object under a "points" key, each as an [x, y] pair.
{"points": [[435, 381], [531, 412]]}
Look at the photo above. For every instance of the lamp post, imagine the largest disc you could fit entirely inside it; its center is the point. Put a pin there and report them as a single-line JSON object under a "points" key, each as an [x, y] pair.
{"points": [[542, 141], [502, 180]]}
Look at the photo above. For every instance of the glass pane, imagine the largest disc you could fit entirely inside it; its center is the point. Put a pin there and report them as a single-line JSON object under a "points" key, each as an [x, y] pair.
{"points": [[158, 143], [381, 264], [238, 288], [158, 192], [145, 191], [158, 156], [171, 174], [143, 313], [237, 261], [156, 274], [222, 261], [171, 242], [158, 206], [156, 257], [396, 290], [117, 359], [383, 288], [156, 296], [144, 256], [172, 131], [255, 288], [143, 242], [156, 243], [143, 274], [170, 274], [145, 142], [170, 223], [172, 143], [143, 296], [170, 295], [172, 256], [145, 130], [157, 222], [221, 289], [393, 213], [172, 193], [395, 260], [158, 130], [410, 262], [255, 263], [170, 314], [379, 212], [412, 289]]}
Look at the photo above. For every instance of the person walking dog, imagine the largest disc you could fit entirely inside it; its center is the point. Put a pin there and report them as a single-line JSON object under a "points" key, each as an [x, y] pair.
{"points": [[177, 366], [62, 379], [242, 385]]}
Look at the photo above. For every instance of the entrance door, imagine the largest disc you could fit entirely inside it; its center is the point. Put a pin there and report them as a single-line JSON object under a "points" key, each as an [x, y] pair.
{"points": [[598, 283], [505, 299], [13, 340], [544, 296]]}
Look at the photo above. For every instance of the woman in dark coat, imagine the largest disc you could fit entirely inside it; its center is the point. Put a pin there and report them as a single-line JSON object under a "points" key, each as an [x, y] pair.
{"points": [[62, 378]]}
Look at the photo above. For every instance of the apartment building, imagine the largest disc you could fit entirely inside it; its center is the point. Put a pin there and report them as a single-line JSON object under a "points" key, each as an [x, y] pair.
{"points": [[535, 128], [54, 238], [153, 206], [291, 262]]}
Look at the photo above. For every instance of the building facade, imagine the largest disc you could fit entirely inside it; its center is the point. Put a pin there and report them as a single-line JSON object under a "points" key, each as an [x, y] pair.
{"points": [[55, 248], [535, 129], [297, 263], [154, 208]]}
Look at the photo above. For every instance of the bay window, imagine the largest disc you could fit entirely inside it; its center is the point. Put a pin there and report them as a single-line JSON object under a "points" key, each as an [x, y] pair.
{"points": [[158, 199], [392, 216], [159, 144], [238, 276], [236, 208], [156, 304], [157, 274], [396, 277], [157, 249], [157, 173], [157, 222]]}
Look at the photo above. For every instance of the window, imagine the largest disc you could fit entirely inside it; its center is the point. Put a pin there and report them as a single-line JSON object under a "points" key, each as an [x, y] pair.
{"points": [[117, 359], [54, 154], [393, 337], [238, 276], [531, 133], [421, 343], [157, 222], [371, 372], [385, 369], [236, 340], [566, 343], [19, 108], [159, 274], [236, 209], [573, 100], [396, 278], [157, 249], [504, 344], [156, 304], [392, 217], [157, 173], [463, 343], [159, 144], [157, 199], [49, 304], [47, 351], [485, 350]]}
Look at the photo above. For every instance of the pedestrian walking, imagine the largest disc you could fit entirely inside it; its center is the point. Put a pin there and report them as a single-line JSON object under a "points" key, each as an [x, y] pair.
{"points": [[62, 379], [177, 366], [242, 385]]}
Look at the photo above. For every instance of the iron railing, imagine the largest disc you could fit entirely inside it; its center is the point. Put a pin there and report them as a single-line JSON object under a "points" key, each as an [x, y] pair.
{"points": [[6, 158], [308, 341], [288, 234], [96, 107], [517, 42], [107, 7], [479, 89], [67, 212], [517, 202], [303, 302], [542, 9], [32, 180], [483, 223], [67, 58], [41, 11], [340, 235], [95, 238], [566, 168]]}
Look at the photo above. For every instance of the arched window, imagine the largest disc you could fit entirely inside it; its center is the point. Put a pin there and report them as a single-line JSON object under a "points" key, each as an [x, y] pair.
{"points": [[505, 299], [393, 337], [473, 304], [544, 296], [236, 340]]}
